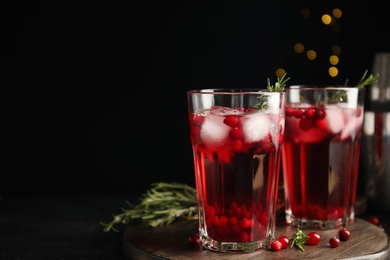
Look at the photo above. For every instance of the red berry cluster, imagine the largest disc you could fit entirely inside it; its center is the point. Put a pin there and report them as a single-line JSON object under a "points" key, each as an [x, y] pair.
{"points": [[283, 241], [344, 235], [235, 141], [313, 238], [308, 117], [236, 223], [317, 212]]}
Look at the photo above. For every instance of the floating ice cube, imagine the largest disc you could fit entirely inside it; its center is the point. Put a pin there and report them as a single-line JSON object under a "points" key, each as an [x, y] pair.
{"points": [[255, 127], [213, 129], [274, 104], [334, 118]]}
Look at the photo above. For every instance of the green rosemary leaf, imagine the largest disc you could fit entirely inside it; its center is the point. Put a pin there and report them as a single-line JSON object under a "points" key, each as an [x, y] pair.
{"points": [[278, 87], [298, 239], [365, 81]]}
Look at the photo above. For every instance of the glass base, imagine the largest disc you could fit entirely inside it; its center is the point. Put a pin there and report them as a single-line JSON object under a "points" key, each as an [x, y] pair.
{"points": [[320, 224], [231, 247]]}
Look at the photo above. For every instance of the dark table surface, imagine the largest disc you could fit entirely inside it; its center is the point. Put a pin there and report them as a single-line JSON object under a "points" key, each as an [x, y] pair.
{"points": [[68, 227], [60, 227]]}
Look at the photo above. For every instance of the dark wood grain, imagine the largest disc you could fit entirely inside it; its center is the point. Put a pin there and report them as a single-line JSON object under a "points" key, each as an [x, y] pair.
{"points": [[170, 242]]}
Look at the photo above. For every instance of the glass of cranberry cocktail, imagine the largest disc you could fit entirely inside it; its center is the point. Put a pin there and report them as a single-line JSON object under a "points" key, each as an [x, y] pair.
{"points": [[236, 136], [320, 154]]}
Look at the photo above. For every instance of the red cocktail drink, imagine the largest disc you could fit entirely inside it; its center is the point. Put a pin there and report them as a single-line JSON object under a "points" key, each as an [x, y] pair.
{"points": [[237, 153], [321, 155]]}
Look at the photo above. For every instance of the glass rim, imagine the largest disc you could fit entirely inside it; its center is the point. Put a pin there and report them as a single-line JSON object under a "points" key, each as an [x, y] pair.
{"points": [[232, 91], [321, 87]]}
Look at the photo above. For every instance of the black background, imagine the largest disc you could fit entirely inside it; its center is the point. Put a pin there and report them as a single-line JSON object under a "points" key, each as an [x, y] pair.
{"points": [[95, 92]]}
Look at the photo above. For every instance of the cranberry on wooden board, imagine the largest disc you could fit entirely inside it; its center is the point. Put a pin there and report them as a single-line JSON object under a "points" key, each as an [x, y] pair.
{"points": [[344, 234], [276, 245], [374, 220], [194, 240], [334, 242], [314, 238], [284, 240]]}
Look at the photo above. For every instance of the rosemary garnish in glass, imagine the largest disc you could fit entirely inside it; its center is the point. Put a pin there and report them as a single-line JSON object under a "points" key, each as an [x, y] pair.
{"points": [[278, 87], [364, 81]]}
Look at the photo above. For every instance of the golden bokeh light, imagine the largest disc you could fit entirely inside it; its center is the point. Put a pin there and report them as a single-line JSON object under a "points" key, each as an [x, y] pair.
{"points": [[280, 72], [299, 47], [312, 47], [311, 54], [333, 71], [326, 19], [337, 13], [334, 60]]}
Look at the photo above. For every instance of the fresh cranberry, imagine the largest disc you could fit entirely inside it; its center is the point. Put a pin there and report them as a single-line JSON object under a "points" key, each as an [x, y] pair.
{"points": [[314, 238], [276, 245], [284, 240], [320, 113], [334, 242], [344, 234], [310, 112], [298, 113], [290, 111], [305, 124], [194, 240], [245, 223], [231, 120], [236, 134], [374, 220], [197, 120]]}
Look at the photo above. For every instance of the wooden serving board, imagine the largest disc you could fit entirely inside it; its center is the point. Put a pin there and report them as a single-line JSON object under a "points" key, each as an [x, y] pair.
{"points": [[171, 242]]}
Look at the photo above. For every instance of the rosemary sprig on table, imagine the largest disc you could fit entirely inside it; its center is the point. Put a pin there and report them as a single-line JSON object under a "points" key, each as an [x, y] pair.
{"points": [[160, 205], [278, 87]]}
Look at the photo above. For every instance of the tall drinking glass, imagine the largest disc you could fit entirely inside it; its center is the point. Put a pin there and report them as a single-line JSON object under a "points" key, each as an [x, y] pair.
{"points": [[321, 154], [236, 136]]}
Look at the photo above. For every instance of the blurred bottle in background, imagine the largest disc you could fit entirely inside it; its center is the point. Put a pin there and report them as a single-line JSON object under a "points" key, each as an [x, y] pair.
{"points": [[374, 166]]}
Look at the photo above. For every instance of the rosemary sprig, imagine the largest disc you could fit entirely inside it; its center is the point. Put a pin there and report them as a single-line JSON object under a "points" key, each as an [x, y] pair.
{"points": [[160, 205], [364, 81], [278, 87], [298, 239]]}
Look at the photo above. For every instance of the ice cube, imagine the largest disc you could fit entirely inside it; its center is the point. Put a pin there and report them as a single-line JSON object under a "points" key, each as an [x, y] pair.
{"points": [[334, 118], [213, 129], [255, 127], [274, 104]]}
